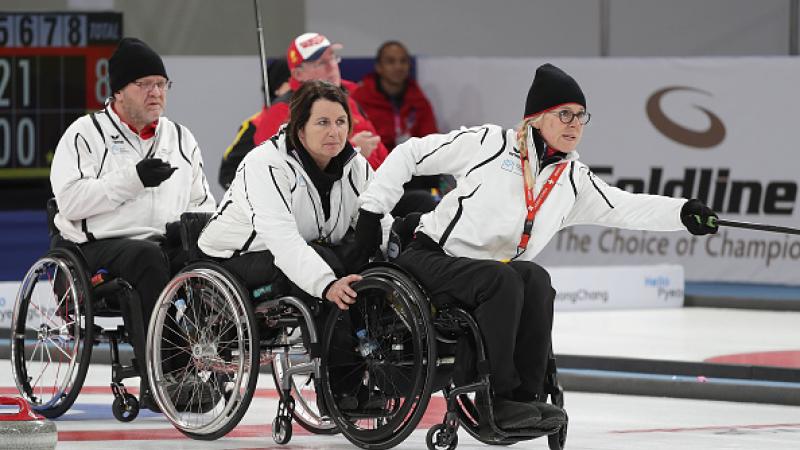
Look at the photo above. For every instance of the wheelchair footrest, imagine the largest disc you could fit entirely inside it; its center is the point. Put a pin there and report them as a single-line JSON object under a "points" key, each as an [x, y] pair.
{"points": [[544, 428]]}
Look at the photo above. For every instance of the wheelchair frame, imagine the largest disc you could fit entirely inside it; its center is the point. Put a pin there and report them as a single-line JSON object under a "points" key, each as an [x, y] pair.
{"points": [[295, 359], [80, 303], [461, 410]]}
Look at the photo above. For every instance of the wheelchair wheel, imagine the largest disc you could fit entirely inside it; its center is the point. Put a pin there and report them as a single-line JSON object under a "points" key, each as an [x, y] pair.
{"points": [[439, 437], [51, 342], [377, 376], [203, 351], [303, 386]]}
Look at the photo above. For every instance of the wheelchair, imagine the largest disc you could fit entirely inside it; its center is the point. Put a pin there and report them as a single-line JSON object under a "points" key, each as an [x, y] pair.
{"points": [[394, 349], [54, 330], [209, 336]]}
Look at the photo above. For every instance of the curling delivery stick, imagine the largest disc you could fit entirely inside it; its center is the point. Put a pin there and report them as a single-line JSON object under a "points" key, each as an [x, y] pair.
{"points": [[261, 53], [757, 226]]}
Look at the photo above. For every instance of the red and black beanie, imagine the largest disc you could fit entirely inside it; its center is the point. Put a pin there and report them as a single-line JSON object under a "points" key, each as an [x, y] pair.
{"points": [[552, 87]]}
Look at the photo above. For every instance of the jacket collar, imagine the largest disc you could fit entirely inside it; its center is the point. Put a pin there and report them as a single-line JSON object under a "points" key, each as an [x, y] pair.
{"points": [[145, 133]]}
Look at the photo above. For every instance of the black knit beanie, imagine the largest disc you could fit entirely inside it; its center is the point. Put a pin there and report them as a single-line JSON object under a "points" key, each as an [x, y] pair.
{"points": [[552, 87], [277, 74], [132, 60]]}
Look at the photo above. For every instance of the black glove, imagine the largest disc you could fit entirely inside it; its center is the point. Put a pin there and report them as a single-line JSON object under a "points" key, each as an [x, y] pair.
{"points": [[153, 171], [369, 231], [173, 234], [698, 218]]}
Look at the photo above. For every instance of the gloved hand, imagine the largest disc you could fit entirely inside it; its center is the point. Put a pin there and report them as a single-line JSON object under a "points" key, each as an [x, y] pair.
{"points": [[698, 218], [153, 171], [173, 234], [368, 231]]}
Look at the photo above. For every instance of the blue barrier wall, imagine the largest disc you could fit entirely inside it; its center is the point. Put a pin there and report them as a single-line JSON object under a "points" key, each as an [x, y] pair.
{"points": [[23, 239]]}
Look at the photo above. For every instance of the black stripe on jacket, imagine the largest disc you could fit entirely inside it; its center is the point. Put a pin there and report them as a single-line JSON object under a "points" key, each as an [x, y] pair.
{"points": [[275, 182], [572, 178], [446, 143], [456, 218], [180, 143], [78, 152], [591, 178], [102, 136], [493, 157]]}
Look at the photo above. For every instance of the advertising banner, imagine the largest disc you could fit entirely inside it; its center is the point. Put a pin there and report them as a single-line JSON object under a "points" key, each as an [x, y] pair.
{"points": [[617, 287], [578, 288], [718, 129]]}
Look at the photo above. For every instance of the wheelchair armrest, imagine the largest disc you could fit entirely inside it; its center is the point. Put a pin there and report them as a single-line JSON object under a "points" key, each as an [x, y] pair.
{"points": [[192, 224], [52, 232]]}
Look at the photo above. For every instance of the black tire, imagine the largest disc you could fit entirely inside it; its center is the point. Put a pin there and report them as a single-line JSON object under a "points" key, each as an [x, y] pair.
{"points": [[58, 282], [125, 410], [558, 441], [281, 430], [397, 369], [220, 335], [432, 438]]}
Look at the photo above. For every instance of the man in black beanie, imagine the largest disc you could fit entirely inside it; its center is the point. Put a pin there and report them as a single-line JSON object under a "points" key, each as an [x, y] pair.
{"points": [[488, 266], [122, 177]]}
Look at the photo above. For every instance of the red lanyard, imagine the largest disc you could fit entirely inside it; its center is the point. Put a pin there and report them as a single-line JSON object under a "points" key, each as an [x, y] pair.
{"points": [[533, 205]]}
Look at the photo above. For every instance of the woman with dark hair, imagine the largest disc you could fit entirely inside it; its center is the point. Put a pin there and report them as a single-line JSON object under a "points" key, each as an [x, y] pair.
{"points": [[284, 218], [516, 189]]}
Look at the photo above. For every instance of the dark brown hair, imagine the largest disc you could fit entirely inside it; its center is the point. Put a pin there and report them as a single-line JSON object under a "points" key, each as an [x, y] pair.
{"points": [[386, 44], [303, 100]]}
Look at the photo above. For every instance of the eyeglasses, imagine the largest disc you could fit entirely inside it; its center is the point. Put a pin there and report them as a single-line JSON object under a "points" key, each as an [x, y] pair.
{"points": [[148, 86], [567, 116], [322, 62]]}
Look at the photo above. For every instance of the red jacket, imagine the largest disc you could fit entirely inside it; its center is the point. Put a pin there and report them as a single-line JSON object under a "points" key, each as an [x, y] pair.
{"points": [[414, 118], [269, 121]]}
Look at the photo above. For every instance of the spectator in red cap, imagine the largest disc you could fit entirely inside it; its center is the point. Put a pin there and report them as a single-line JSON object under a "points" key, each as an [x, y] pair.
{"points": [[311, 56]]}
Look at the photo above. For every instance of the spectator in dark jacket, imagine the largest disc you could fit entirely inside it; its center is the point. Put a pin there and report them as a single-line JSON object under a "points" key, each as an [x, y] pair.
{"points": [[278, 80], [398, 108], [392, 100]]}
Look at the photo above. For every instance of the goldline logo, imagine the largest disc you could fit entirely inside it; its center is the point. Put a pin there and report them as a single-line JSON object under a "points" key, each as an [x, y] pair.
{"points": [[711, 137]]}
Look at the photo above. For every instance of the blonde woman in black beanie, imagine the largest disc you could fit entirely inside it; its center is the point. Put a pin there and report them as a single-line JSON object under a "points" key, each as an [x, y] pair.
{"points": [[516, 189], [122, 177]]}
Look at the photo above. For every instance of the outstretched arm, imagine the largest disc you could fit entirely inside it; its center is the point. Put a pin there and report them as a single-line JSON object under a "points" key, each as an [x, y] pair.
{"points": [[435, 154]]}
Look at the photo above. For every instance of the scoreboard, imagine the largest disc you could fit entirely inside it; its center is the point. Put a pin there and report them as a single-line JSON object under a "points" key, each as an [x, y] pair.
{"points": [[53, 69]]}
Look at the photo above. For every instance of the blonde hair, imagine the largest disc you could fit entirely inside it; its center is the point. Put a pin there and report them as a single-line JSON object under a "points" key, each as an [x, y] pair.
{"points": [[523, 138]]}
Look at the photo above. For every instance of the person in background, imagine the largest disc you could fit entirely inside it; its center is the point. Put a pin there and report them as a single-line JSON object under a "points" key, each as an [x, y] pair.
{"points": [[516, 189], [311, 56], [398, 108], [278, 80], [122, 177], [393, 100]]}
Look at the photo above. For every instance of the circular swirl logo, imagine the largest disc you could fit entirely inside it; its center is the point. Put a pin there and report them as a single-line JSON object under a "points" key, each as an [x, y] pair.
{"points": [[704, 139]]}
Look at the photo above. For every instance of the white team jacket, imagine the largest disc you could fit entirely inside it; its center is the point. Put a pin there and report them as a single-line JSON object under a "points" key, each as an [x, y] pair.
{"points": [[483, 217], [98, 191], [273, 205]]}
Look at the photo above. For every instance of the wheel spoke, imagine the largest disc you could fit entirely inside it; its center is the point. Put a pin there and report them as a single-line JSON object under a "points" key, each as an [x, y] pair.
{"points": [[60, 349]]}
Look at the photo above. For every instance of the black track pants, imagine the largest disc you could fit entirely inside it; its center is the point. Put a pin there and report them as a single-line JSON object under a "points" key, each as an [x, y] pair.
{"points": [[142, 263], [512, 304]]}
